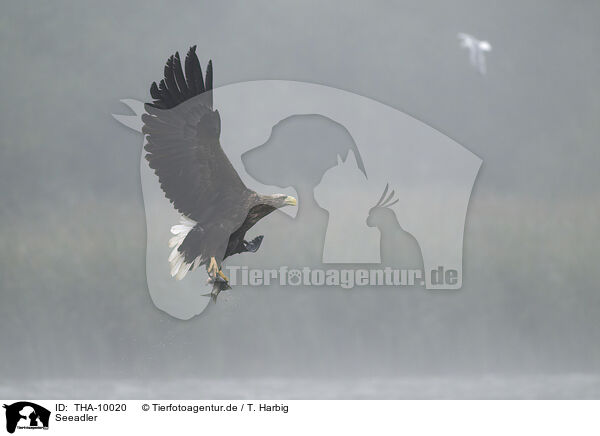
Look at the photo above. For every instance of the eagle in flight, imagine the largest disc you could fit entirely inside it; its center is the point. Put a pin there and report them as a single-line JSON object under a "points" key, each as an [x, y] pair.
{"points": [[196, 176]]}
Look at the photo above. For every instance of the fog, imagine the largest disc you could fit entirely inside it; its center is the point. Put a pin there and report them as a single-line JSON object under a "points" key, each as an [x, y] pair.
{"points": [[75, 311]]}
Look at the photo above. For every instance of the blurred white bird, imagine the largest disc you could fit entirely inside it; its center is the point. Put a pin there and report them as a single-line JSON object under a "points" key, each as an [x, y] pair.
{"points": [[476, 50]]}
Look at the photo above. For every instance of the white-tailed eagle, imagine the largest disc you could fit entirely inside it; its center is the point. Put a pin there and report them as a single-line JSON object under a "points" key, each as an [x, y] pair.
{"points": [[195, 174]]}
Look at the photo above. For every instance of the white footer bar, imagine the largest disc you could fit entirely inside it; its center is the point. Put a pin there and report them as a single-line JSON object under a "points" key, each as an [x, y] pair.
{"points": [[277, 417]]}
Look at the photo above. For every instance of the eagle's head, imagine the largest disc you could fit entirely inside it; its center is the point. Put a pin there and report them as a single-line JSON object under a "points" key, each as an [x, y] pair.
{"points": [[281, 200]]}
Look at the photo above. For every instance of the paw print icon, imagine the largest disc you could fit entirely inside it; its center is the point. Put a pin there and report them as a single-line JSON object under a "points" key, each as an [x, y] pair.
{"points": [[294, 277]]}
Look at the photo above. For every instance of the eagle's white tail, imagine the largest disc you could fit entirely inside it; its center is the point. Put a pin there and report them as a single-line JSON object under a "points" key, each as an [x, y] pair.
{"points": [[179, 268]]}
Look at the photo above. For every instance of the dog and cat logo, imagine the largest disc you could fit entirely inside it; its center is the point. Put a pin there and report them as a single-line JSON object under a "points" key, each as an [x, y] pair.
{"points": [[26, 415], [336, 152]]}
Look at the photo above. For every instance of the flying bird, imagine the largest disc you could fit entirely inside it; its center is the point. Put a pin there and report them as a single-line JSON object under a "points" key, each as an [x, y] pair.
{"points": [[184, 151], [476, 49]]}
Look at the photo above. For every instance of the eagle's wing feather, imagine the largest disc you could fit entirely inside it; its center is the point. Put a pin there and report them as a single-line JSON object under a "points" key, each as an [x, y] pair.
{"points": [[183, 146]]}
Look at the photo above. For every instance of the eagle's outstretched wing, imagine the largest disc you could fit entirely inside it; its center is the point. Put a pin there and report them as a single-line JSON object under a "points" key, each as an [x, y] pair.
{"points": [[183, 145]]}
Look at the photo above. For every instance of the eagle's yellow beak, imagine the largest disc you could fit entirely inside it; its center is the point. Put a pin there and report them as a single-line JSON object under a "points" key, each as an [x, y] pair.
{"points": [[291, 201]]}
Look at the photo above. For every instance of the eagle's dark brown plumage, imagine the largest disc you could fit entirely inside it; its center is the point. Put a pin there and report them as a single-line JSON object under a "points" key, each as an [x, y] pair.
{"points": [[194, 172]]}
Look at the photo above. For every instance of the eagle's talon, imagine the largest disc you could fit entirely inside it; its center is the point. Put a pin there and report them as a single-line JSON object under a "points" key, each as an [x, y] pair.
{"points": [[213, 267], [223, 276], [254, 244]]}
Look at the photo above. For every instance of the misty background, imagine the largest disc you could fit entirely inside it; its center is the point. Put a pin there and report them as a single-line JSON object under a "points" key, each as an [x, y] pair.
{"points": [[75, 313]]}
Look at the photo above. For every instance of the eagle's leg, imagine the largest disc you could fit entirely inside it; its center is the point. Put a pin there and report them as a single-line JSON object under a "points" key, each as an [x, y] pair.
{"points": [[213, 267], [223, 276], [254, 244], [215, 270], [219, 280]]}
